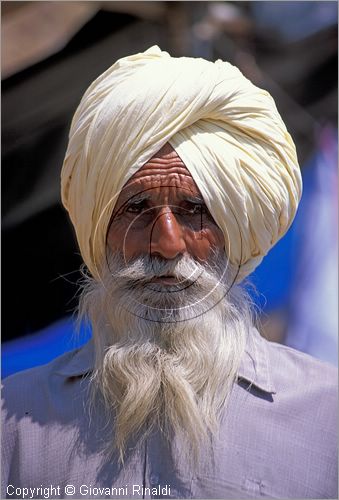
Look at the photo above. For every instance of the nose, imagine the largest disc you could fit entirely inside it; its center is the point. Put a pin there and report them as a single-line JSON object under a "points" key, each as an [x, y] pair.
{"points": [[167, 236]]}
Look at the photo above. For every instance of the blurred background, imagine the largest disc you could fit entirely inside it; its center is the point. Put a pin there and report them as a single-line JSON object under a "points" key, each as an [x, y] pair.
{"points": [[52, 51]]}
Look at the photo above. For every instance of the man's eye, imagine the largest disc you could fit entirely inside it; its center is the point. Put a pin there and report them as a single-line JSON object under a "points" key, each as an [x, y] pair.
{"points": [[197, 208], [136, 207]]}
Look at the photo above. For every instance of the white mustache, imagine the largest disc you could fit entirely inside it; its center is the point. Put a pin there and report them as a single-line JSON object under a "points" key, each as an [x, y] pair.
{"points": [[144, 269], [186, 270]]}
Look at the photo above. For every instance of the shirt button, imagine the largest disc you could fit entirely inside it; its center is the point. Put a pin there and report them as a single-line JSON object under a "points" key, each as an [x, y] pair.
{"points": [[154, 479]]}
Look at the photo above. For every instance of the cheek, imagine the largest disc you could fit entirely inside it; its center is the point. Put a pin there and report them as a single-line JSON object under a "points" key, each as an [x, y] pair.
{"points": [[122, 238], [114, 238], [200, 244]]}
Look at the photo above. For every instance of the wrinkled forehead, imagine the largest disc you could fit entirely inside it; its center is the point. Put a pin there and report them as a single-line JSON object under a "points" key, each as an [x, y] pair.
{"points": [[166, 160], [163, 171]]}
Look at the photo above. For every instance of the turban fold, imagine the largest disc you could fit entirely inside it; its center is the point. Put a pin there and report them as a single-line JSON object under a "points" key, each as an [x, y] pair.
{"points": [[226, 130]]}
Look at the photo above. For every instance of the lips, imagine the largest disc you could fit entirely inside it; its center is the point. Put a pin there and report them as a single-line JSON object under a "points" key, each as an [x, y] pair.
{"points": [[164, 280]]}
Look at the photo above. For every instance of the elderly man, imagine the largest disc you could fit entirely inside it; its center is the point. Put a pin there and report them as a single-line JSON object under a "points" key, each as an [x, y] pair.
{"points": [[179, 177]]}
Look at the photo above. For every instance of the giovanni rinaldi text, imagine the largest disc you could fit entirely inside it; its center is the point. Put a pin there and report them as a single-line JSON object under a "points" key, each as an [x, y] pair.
{"points": [[51, 491]]}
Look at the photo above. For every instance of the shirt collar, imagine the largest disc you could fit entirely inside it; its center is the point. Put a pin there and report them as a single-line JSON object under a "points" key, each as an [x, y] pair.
{"points": [[79, 363], [255, 365]]}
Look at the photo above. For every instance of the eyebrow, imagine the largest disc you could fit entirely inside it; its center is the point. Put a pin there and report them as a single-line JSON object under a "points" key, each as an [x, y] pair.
{"points": [[140, 197], [145, 196], [194, 199], [133, 198], [137, 198]]}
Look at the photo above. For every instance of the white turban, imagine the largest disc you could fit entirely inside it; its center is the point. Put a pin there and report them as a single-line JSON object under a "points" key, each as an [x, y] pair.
{"points": [[226, 130]]}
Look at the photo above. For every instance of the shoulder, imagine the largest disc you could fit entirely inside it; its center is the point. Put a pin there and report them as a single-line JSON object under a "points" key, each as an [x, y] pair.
{"points": [[42, 405], [295, 424], [31, 389], [306, 392], [21, 380], [290, 367]]}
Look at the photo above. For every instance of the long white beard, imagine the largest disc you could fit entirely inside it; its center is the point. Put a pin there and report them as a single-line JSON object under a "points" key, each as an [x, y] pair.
{"points": [[166, 356]]}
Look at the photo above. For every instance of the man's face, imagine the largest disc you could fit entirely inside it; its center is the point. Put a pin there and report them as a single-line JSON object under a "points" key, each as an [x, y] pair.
{"points": [[160, 212], [168, 335]]}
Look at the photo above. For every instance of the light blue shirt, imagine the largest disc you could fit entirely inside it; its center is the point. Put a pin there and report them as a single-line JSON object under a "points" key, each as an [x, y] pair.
{"points": [[278, 436]]}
